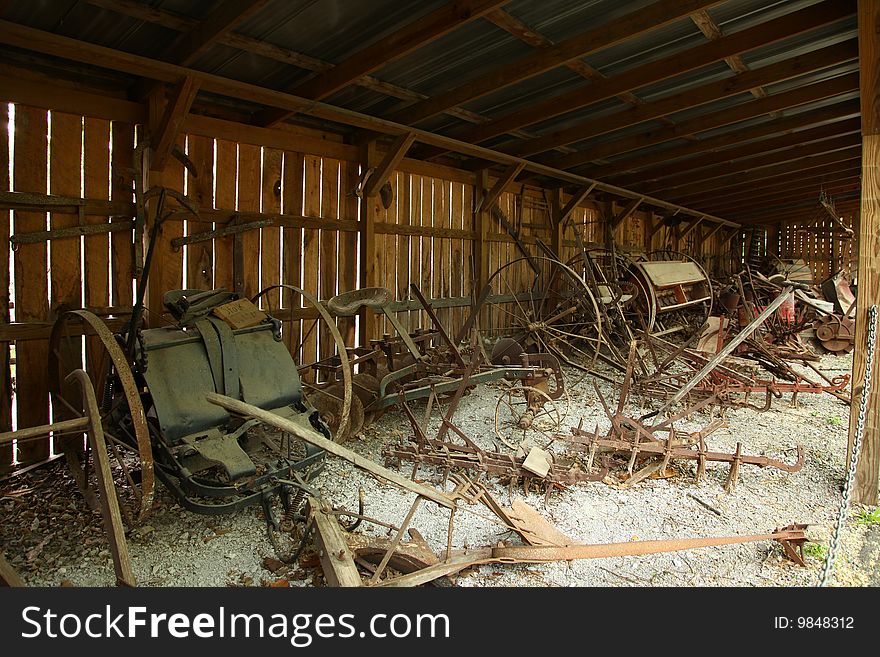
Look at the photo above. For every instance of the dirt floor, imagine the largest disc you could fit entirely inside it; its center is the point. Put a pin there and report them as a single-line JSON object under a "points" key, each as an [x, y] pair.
{"points": [[51, 538]]}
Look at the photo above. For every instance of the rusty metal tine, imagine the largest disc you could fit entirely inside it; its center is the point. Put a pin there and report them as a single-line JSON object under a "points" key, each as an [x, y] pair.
{"points": [[627, 379], [602, 401], [387, 557], [456, 398], [434, 320]]}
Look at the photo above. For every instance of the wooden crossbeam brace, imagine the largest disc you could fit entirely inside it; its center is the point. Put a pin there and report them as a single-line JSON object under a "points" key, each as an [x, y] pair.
{"points": [[576, 199], [392, 158], [658, 226], [710, 234], [165, 134], [507, 177], [687, 231], [625, 213]]}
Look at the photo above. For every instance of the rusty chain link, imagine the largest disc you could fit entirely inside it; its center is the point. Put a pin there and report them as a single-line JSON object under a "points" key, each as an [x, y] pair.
{"points": [[856, 448]]}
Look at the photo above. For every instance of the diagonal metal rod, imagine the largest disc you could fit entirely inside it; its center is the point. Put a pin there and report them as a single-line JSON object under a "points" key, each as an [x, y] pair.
{"points": [[728, 349]]}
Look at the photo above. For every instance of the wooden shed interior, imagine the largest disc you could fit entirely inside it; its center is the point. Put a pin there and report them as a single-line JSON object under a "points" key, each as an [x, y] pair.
{"points": [[341, 145]]}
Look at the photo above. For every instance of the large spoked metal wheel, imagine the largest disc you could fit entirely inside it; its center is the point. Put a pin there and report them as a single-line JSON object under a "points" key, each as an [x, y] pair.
{"points": [[546, 307], [81, 340]]}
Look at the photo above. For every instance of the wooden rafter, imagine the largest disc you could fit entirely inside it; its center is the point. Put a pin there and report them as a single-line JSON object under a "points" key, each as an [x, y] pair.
{"points": [[744, 111], [700, 95], [164, 135], [816, 178], [760, 174], [707, 147], [399, 43], [665, 68], [628, 26], [693, 165], [507, 176], [683, 180], [74, 50], [789, 192], [395, 154], [223, 18]]}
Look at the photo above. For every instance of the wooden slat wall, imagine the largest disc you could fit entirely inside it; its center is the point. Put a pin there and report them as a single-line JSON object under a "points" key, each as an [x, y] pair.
{"points": [[425, 236], [819, 244]]}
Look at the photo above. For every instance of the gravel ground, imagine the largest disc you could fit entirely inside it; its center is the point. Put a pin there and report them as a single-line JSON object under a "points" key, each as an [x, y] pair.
{"points": [[51, 538]]}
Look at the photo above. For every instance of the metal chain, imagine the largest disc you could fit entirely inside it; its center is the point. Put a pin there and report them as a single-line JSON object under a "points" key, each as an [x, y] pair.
{"points": [[856, 448]]}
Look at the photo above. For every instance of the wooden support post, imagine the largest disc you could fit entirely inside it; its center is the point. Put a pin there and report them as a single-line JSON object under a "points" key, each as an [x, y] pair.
{"points": [[507, 177], [481, 228], [336, 557], [395, 154], [367, 230], [557, 221], [865, 491]]}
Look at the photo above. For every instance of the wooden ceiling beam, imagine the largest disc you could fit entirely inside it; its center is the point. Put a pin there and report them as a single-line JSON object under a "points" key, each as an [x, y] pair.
{"points": [[665, 68], [222, 19], [709, 146], [769, 200], [692, 166], [399, 43], [70, 49], [739, 192], [801, 96], [628, 26], [766, 172], [806, 209], [842, 182], [693, 97], [673, 184]]}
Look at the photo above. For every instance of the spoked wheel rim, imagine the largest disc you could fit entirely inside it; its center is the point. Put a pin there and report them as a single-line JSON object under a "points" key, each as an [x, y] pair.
{"points": [[552, 308], [122, 412]]}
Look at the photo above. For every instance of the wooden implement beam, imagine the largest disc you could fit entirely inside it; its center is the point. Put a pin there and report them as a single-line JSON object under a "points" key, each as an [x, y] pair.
{"points": [[336, 556], [314, 438], [869, 255]]}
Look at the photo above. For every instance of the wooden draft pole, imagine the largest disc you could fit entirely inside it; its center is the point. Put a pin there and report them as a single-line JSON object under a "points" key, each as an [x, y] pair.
{"points": [[865, 490]]}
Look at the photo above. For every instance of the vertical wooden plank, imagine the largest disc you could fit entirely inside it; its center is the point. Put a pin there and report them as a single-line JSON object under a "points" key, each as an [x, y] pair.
{"points": [[122, 242], [65, 176], [5, 224], [414, 213], [348, 245], [224, 199], [200, 188], [312, 208], [402, 195], [868, 293], [329, 246], [270, 236], [370, 272], [249, 164], [458, 265], [96, 184], [291, 256], [166, 269], [428, 243], [31, 281]]}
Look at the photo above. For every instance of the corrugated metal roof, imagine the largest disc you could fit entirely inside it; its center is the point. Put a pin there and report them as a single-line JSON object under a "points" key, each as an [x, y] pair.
{"points": [[332, 30]]}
